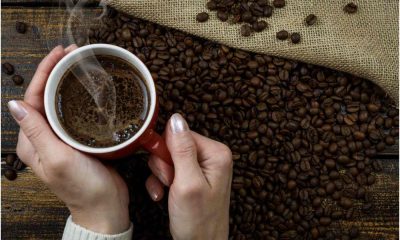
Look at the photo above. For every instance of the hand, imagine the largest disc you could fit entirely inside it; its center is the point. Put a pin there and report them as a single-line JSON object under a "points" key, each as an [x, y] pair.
{"points": [[95, 194], [198, 200]]}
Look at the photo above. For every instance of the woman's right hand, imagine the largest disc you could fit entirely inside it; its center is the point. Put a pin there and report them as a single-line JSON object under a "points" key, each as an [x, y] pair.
{"points": [[200, 183]]}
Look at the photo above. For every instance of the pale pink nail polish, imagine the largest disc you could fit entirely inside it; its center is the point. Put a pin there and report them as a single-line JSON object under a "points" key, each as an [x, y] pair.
{"points": [[178, 123], [17, 110]]}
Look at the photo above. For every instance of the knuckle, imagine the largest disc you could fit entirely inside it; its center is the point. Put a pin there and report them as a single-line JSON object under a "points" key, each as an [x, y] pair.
{"points": [[190, 191], [225, 157]]}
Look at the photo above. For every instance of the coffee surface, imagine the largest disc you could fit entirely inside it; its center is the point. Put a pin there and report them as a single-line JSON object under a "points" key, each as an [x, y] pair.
{"points": [[102, 101]]}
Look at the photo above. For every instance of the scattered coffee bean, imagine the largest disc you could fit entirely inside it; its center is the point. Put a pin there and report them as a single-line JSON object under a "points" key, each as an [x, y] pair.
{"points": [[279, 3], [282, 35], [202, 17], [7, 68], [245, 30], [17, 79], [10, 159], [311, 19], [260, 25], [20, 27], [295, 37], [223, 16], [350, 8], [10, 174]]}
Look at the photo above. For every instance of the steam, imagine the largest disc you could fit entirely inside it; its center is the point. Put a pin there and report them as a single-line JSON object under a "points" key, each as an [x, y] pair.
{"points": [[98, 83]]}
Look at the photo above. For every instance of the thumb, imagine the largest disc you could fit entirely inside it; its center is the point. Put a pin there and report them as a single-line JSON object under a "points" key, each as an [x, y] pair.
{"points": [[182, 147], [34, 126]]}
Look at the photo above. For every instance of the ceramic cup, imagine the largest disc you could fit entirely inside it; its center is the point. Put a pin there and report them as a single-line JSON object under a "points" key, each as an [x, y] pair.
{"points": [[146, 137]]}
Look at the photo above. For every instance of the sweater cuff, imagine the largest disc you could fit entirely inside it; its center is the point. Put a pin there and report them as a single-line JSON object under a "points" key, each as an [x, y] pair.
{"points": [[73, 231]]}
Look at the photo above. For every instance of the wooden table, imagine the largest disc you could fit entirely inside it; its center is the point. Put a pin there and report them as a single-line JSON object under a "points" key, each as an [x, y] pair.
{"points": [[31, 211]]}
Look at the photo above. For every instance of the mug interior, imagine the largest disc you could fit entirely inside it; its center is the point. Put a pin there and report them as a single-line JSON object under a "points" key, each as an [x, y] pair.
{"points": [[70, 59]]}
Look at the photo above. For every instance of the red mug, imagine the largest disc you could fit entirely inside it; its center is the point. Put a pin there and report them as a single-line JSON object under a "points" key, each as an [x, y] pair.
{"points": [[146, 137]]}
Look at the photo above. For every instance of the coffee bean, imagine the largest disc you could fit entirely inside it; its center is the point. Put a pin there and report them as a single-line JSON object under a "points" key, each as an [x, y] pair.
{"points": [[350, 8], [346, 203], [279, 3], [202, 17], [245, 30], [10, 174], [126, 34], [20, 27], [10, 159], [223, 16], [311, 19], [282, 35], [353, 232], [7, 68], [260, 25], [17, 79], [295, 37]]}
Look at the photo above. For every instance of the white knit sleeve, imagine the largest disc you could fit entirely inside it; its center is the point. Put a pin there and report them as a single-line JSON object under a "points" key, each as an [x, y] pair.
{"points": [[73, 231]]}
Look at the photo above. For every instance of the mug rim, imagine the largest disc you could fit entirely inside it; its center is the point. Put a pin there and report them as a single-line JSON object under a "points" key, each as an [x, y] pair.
{"points": [[62, 67]]}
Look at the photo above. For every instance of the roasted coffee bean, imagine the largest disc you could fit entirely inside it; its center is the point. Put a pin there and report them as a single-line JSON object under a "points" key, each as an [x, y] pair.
{"points": [[260, 25], [302, 137], [245, 30], [202, 17], [7, 68], [10, 174], [353, 232], [350, 8], [17, 79], [20, 27], [279, 3], [295, 37], [223, 16], [311, 19], [282, 35], [10, 159]]}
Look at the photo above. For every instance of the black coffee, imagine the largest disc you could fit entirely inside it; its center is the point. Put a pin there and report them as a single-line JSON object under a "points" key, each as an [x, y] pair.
{"points": [[102, 101]]}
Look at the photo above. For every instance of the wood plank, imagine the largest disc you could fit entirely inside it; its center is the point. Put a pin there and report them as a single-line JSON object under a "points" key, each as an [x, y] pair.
{"points": [[25, 51], [47, 3], [31, 211]]}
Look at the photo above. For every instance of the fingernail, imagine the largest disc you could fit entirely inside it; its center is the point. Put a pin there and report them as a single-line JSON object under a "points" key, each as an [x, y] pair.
{"points": [[163, 179], [154, 195], [178, 123], [17, 110]]}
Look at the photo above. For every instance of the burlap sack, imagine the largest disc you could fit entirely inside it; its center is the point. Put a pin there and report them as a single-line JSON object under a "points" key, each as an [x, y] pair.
{"points": [[364, 44]]}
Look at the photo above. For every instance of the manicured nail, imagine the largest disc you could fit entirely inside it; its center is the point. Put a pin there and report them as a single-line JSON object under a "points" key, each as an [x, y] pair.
{"points": [[163, 179], [155, 196], [17, 110], [178, 123], [71, 47]]}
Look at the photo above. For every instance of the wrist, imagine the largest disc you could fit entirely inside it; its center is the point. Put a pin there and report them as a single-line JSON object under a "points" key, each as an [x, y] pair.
{"points": [[104, 221]]}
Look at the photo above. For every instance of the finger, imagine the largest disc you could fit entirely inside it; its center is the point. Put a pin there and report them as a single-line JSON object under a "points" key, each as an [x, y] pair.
{"points": [[34, 93], [35, 128], [215, 160], [183, 150], [70, 48], [163, 171], [154, 188], [25, 149]]}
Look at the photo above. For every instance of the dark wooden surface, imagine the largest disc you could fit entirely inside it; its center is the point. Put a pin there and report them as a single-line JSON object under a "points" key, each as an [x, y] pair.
{"points": [[31, 211]]}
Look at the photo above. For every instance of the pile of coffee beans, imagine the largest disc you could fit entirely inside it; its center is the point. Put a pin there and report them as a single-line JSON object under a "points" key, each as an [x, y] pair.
{"points": [[249, 12], [303, 137]]}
